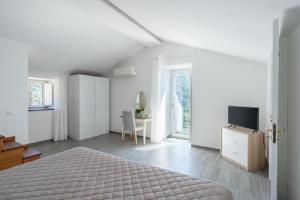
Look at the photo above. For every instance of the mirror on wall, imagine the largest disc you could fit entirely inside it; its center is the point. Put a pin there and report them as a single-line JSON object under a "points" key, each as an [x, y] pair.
{"points": [[141, 101], [140, 105]]}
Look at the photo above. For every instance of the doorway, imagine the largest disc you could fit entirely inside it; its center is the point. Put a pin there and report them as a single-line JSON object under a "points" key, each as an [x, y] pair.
{"points": [[180, 103]]}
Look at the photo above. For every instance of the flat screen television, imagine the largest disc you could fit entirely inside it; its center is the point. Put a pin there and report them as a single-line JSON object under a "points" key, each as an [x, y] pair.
{"points": [[243, 116]]}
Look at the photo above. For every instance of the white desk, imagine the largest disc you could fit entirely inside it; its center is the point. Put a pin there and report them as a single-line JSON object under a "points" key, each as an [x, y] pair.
{"points": [[144, 123]]}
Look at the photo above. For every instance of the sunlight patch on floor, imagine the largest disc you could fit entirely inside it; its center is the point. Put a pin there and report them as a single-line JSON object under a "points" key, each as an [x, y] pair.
{"points": [[154, 146]]}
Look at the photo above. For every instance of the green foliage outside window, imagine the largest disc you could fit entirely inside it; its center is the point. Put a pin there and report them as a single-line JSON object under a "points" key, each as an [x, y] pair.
{"points": [[36, 97], [183, 93]]}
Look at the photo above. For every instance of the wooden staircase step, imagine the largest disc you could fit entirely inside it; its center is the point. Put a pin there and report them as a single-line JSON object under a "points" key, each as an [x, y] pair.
{"points": [[13, 153], [10, 139], [26, 146], [31, 154], [7, 146], [1, 142], [11, 158]]}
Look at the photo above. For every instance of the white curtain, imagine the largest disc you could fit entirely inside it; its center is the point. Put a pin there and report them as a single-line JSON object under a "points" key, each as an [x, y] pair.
{"points": [[61, 108], [158, 99]]}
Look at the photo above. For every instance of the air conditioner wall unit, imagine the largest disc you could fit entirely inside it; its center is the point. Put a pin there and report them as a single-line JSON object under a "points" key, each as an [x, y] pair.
{"points": [[124, 71]]}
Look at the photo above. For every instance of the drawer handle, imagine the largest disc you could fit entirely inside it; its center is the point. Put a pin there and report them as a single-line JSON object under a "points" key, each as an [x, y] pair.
{"points": [[235, 152], [235, 142]]}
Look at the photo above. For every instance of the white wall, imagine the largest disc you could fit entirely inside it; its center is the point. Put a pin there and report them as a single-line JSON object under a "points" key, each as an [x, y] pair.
{"points": [[217, 81], [124, 90], [294, 115], [40, 125], [13, 89]]}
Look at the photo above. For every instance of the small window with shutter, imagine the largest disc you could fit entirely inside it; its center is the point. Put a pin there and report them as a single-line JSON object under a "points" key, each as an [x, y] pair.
{"points": [[40, 93]]}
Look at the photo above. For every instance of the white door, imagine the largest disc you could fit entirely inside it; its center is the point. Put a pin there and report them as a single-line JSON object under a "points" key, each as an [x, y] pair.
{"points": [[87, 107], [277, 120], [102, 106]]}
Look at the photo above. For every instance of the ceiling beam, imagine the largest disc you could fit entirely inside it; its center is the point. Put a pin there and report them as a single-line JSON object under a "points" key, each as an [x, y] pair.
{"points": [[107, 13], [118, 9]]}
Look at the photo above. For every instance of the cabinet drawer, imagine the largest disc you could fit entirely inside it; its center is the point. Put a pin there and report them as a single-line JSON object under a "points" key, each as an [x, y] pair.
{"points": [[235, 145], [234, 136], [237, 156]]}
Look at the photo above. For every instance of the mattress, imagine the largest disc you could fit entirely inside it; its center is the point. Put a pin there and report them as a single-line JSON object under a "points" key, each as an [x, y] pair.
{"points": [[82, 173]]}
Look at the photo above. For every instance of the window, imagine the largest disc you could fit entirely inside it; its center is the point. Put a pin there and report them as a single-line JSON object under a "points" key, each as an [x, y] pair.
{"points": [[40, 93]]}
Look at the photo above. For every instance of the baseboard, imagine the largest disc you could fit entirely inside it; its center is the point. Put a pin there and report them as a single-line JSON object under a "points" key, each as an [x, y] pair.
{"points": [[207, 148], [115, 132], [41, 142]]}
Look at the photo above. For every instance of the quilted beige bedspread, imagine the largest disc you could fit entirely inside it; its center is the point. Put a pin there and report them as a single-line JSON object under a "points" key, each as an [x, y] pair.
{"points": [[82, 173]]}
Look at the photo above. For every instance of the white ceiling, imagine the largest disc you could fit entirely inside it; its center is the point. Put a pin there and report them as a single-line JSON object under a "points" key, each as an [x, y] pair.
{"points": [[93, 36], [65, 37], [240, 28]]}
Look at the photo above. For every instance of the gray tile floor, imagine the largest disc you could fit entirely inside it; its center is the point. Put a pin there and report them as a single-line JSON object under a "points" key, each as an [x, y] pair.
{"points": [[177, 155]]}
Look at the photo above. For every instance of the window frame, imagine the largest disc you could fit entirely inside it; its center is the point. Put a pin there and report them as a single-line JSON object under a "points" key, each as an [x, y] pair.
{"points": [[43, 106]]}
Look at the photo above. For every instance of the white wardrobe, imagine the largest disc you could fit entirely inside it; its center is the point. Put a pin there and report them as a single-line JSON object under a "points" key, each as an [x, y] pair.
{"points": [[88, 106]]}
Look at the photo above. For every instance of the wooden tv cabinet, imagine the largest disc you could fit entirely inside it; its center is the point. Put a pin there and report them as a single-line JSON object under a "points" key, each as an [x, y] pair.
{"points": [[243, 147]]}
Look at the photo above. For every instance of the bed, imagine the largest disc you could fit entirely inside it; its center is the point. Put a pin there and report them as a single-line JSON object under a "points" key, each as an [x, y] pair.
{"points": [[82, 173]]}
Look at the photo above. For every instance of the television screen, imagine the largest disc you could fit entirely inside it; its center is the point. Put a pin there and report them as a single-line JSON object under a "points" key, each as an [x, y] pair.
{"points": [[243, 116]]}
